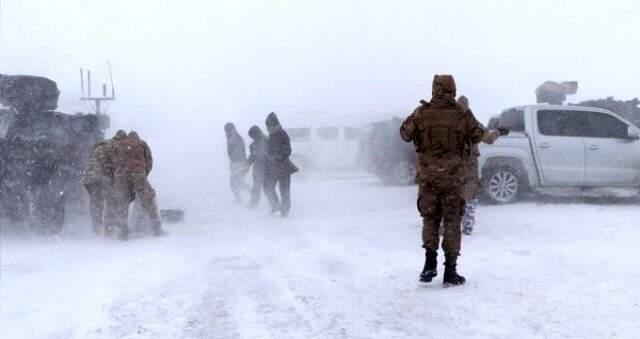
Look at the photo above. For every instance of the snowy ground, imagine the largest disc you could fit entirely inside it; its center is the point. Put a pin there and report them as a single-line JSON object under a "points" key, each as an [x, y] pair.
{"points": [[344, 265]]}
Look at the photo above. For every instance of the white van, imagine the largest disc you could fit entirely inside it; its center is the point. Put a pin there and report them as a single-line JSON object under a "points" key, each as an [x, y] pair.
{"points": [[325, 147]]}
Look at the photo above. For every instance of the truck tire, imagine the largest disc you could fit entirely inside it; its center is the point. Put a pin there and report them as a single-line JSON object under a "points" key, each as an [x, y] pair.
{"points": [[502, 185], [404, 173]]}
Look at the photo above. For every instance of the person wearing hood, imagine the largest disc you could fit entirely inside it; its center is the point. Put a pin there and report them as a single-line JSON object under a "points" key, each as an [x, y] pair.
{"points": [[257, 159], [472, 178], [237, 161], [440, 130], [98, 181], [134, 162], [279, 167]]}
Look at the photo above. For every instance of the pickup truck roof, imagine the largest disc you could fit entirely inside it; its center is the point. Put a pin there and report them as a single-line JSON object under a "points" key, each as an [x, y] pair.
{"points": [[570, 108], [562, 108]]}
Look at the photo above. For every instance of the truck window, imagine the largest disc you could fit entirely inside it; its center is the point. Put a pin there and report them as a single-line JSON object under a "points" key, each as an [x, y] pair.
{"points": [[299, 134], [561, 123], [604, 126], [513, 119], [581, 124], [328, 133]]}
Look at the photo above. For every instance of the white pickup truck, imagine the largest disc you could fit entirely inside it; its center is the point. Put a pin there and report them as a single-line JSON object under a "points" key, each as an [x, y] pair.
{"points": [[559, 147]]}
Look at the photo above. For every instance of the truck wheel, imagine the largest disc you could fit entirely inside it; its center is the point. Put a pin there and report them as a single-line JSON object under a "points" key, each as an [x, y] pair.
{"points": [[502, 185], [404, 173]]}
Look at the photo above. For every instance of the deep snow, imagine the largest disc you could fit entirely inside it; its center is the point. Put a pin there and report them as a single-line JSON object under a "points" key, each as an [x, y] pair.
{"points": [[345, 264]]}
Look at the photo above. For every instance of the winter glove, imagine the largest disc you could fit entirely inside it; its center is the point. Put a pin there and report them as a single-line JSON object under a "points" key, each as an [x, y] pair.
{"points": [[502, 131]]}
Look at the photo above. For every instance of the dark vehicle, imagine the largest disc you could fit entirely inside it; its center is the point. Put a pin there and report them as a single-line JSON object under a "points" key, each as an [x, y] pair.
{"points": [[42, 153], [386, 155]]}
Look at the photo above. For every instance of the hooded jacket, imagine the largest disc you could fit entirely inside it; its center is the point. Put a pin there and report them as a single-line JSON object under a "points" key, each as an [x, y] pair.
{"points": [[278, 149]]}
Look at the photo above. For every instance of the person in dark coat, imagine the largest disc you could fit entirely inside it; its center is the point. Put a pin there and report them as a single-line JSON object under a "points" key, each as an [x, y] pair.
{"points": [[238, 161], [257, 159], [279, 167]]}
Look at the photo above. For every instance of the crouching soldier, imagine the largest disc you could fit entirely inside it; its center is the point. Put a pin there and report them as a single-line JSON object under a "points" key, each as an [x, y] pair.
{"points": [[133, 162], [98, 180]]}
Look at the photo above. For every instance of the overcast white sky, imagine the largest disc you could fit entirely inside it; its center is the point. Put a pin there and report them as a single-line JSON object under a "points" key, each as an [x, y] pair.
{"points": [[188, 66], [342, 57]]}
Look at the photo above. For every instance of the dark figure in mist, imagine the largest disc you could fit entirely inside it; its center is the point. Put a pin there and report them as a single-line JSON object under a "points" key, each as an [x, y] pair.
{"points": [[238, 161], [257, 159], [279, 167]]}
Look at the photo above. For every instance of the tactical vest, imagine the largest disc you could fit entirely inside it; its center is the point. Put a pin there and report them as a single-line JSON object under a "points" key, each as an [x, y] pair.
{"points": [[440, 135]]}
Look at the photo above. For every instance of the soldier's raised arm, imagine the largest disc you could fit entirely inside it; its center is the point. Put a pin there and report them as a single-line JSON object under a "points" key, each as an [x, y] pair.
{"points": [[489, 137], [409, 127], [475, 131]]}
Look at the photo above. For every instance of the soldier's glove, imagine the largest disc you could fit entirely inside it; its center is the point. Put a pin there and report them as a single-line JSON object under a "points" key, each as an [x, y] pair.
{"points": [[502, 131]]}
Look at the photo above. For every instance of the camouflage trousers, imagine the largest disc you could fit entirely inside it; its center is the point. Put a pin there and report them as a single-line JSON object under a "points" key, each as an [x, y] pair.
{"points": [[135, 184], [441, 202], [101, 205]]}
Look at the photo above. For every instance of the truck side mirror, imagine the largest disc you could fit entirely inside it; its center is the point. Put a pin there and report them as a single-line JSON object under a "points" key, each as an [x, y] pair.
{"points": [[632, 133]]}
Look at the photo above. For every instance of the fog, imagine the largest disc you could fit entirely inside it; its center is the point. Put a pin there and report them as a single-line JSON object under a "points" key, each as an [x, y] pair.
{"points": [[182, 70]]}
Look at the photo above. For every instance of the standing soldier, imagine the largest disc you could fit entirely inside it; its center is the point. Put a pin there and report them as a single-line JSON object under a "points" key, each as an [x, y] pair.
{"points": [[238, 161], [279, 167], [134, 162], [440, 130], [257, 158], [472, 178], [98, 180]]}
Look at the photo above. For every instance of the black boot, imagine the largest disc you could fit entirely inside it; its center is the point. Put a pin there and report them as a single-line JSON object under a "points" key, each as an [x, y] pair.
{"points": [[430, 270], [451, 277]]}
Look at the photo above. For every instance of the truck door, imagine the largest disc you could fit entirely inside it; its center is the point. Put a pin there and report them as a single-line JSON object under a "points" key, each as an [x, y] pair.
{"points": [[612, 158], [560, 147]]}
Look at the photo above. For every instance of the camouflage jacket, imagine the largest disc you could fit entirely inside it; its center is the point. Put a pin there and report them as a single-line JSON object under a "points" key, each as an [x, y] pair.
{"points": [[100, 167], [132, 157], [441, 130]]}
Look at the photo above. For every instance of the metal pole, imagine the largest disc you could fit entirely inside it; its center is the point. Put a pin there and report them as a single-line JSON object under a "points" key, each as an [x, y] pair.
{"points": [[82, 82]]}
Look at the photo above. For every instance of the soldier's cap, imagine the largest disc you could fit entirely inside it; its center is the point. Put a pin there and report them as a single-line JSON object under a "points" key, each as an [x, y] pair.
{"points": [[272, 120], [443, 84], [229, 127], [120, 134], [134, 135]]}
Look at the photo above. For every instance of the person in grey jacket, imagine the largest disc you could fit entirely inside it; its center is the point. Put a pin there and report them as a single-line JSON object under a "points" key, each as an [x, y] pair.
{"points": [[238, 161]]}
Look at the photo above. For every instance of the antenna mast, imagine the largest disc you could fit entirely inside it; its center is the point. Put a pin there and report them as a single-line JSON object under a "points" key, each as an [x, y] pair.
{"points": [[86, 96]]}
